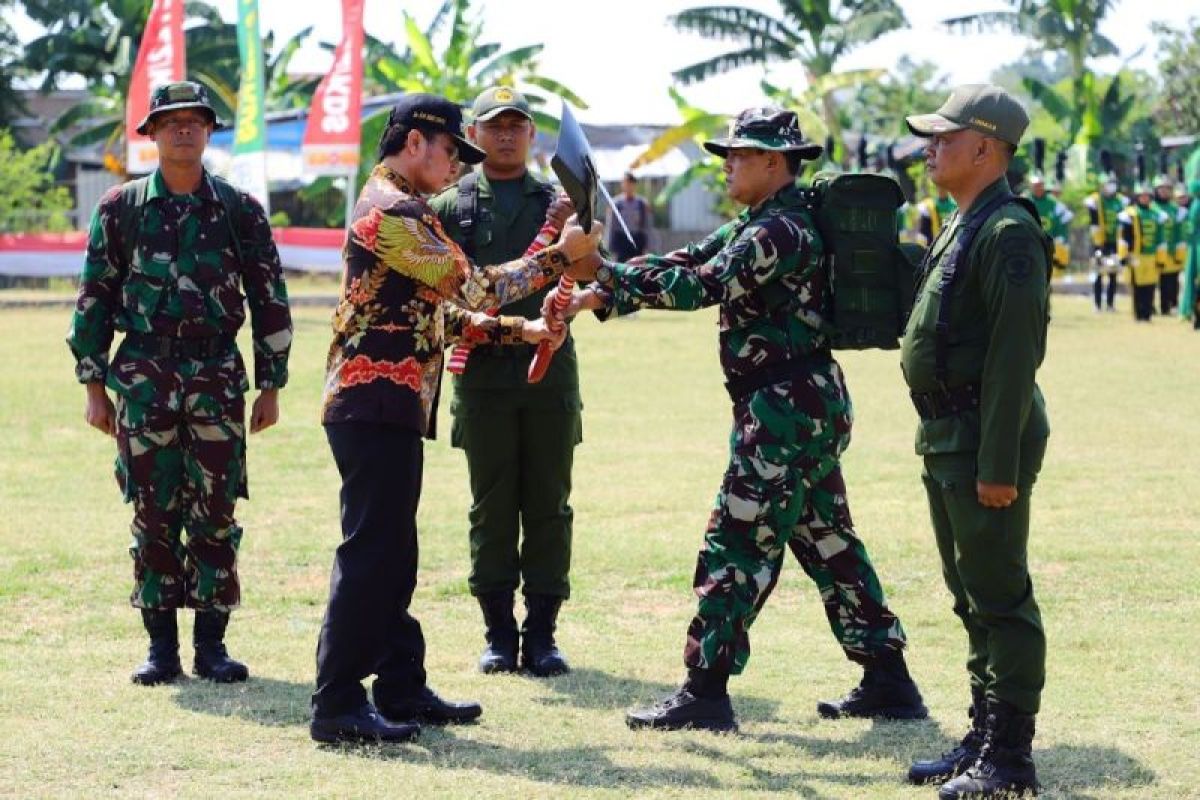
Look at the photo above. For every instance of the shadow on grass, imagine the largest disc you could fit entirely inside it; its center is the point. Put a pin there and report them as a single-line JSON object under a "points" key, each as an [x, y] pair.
{"points": [[596, 689], [1073, 771], [266, 701]]}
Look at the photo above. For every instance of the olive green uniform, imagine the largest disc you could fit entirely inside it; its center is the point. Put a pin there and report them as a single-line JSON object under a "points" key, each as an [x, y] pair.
{"points": [[996, 341], [519, 438]]}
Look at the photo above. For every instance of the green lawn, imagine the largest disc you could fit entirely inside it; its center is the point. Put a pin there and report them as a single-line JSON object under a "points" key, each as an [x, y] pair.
{"points": [[1114, 552]]}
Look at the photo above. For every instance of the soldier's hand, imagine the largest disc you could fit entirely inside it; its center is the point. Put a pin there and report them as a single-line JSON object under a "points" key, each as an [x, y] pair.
{"points": [[265, 411], [541, 330], [995, 495], [560, 210], [576, 244], [100, 412]]}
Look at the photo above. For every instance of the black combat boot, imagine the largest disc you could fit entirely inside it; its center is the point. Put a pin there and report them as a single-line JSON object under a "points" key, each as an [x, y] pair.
{"points": [[212, 659], [539, 654], [500, 633], [1005, 765], [886, 691], [162, 662], [955, 762], [702, 703]]}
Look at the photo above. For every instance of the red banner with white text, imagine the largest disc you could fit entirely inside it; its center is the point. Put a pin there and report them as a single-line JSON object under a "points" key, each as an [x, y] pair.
{"points": [[161, 59], [331, 137]]}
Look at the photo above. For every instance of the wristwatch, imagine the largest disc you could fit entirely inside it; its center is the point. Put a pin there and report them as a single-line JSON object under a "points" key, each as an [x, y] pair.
{"points": [[604, 275]]}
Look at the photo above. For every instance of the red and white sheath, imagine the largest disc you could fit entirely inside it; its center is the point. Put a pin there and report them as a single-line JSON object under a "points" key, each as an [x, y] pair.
{"points": [[461, 352]]}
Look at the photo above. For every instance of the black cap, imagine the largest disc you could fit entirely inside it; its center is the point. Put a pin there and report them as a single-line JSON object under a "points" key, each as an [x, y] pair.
{"points": [[179, 95], [435, 113], [768, 128]]}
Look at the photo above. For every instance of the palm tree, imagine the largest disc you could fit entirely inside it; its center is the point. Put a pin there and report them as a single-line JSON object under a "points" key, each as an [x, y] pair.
{"points": [[1068, 26], [815, 33]]}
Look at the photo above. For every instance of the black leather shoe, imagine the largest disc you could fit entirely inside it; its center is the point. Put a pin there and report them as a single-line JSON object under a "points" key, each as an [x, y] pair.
{"points": [[212, 660], [362, 726], [427, 707], [955, 762], [539, 653], [886, 691], [162, 660], [686, 710], [501, 633]]}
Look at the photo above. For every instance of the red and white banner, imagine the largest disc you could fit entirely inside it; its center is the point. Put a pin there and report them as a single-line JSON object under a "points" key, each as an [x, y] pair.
{"points": [[160, 60], [331, 138]]}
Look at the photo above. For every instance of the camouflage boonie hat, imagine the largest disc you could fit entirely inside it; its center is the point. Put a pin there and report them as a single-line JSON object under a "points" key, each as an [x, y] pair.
{"points": [[177, 95], [766, 128]]}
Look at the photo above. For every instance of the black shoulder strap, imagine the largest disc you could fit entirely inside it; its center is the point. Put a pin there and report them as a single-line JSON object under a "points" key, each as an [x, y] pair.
{"points": [[957, 257], [468, 209], [230, 200], [133, 200]]}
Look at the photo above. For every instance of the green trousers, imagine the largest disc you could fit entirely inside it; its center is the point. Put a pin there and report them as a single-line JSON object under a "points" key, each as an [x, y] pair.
{"points": [[983, 553], [520, 445]]}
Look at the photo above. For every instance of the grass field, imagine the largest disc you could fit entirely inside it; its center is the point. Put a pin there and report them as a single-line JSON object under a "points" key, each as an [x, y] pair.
{"points": [[1114, 552]]}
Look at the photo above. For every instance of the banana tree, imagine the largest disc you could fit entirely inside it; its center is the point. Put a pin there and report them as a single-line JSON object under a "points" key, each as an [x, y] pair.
{"points": [[98, 41], [697, 126], [465, 67], [814, 33], [1067, 26]]}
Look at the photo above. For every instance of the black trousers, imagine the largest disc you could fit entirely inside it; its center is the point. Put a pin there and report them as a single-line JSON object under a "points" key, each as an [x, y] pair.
{"points": [[1168, 291], [1097, 289], [1143, 302], [367, 628]]}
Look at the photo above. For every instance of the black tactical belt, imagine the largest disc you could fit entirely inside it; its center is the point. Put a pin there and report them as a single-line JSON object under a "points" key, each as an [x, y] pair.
{"points": [[743, 386], [939, 404], [175, 347]]}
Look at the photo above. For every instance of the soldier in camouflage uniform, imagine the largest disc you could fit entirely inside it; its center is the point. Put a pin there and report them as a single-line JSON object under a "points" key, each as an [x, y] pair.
{"points": [[970, 353], [168, 259], [792, 418]]}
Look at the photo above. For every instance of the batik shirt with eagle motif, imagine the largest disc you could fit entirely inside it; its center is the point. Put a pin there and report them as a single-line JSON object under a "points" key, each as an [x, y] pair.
{"points": [[399, 268]]}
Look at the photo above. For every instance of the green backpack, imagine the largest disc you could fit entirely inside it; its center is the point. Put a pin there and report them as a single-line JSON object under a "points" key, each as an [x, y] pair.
{"points": [[872, 275]]}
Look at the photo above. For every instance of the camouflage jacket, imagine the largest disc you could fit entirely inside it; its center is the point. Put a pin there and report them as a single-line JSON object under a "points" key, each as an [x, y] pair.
{"points": [[181, 278], [763, 268], [385, 361]]}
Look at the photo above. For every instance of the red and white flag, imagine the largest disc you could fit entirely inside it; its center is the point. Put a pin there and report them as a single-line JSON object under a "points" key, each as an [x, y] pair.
{"points": [[331, 138], [160, 60]]}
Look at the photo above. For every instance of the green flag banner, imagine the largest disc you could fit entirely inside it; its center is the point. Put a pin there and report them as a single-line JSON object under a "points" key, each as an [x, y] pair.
{"points": [[248, 169]]}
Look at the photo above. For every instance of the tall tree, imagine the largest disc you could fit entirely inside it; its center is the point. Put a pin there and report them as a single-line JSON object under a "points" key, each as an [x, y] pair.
{"points": [[29, 198], [11, 104], [814, 33], [1067, 26], [1178, 66]]}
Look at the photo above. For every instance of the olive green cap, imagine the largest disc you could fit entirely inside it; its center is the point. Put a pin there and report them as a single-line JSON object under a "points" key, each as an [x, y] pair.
{"points": [[979, 106], [495, 101]]}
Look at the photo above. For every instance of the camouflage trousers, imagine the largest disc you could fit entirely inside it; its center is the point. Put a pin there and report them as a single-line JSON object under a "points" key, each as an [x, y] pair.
{"points": [[784, 488], [181, 463]]}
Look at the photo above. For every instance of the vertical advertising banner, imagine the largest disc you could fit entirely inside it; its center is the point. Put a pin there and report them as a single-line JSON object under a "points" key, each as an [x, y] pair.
{"points": [[160, 60], [248, 169], [331, 137]]}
